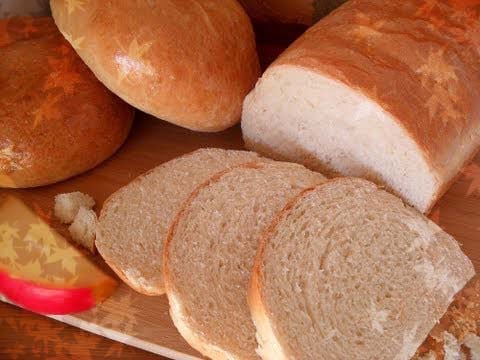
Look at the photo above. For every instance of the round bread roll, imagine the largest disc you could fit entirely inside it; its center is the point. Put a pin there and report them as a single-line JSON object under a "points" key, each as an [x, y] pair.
{"points": [[56, 119], [189, 62]]}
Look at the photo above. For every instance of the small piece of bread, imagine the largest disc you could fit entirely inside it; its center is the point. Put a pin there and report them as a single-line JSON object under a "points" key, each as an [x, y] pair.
{"points": [[134, 220], [346, 269], [67, 205], [211, 248], [83, 228]]}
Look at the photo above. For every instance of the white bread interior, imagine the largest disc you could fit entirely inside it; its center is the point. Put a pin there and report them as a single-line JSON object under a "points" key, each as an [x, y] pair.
{"points": [[210, 252], [300, 115], [348, 271]]}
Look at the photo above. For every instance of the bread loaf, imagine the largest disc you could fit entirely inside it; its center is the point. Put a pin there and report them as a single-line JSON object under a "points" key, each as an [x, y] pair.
{"points": [[189, 62], [382, 90], [347, 270], [56, 119], [134, 220], [210, 251]]}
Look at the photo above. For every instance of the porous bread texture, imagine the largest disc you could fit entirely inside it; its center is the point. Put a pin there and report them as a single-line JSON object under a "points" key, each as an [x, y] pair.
{"points": [[348, 271], [83, 228], [211, 248], [134, 220], [67, 205], [300, 115]]}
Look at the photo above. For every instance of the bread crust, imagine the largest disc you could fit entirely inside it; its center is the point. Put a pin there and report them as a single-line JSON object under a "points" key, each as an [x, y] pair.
{"points": [[187, 62], [57, 119]]}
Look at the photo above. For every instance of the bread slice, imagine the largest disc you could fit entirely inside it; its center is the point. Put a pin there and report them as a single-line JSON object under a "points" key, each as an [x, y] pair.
{"points": [[348, 271], [210, 251], [134, 220]]}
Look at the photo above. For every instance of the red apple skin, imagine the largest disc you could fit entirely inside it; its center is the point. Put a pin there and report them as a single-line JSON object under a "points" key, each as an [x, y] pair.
{"points": [[44, 299]]}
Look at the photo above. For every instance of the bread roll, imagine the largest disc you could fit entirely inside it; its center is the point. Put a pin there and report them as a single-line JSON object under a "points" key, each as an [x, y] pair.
{"points": [[210, 252], [348, 271], [386, 90], [56, 119], [135, 219], [189, 62]]}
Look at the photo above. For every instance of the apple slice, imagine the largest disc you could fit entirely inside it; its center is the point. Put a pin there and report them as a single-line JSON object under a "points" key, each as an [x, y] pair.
{"points": [[40, 270]]}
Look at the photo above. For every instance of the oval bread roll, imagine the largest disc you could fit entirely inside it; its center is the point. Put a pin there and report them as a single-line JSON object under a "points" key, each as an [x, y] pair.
{"points": [[189, 62], [348, 271], [56, 119], [384, 90], [134, 220], [210, 251]]}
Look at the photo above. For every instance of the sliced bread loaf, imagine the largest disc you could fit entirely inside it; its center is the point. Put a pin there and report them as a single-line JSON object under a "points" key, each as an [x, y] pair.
{"points": [[347, 271], [384, 90], [135, 219], [211, 248]]}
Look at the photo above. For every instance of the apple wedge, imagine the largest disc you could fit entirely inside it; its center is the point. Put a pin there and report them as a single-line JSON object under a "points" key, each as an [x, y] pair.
{"points": [[40, 270]]}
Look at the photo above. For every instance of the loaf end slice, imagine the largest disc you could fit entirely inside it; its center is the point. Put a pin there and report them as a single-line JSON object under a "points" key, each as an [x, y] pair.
{"points": [[345, 133], [211, 248], [134, 220], [348, 270]]}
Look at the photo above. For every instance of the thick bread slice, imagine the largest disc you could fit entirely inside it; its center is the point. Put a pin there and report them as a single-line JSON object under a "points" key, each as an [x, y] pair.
{"points": [[211, 248], [134, 220], [347, 271]]}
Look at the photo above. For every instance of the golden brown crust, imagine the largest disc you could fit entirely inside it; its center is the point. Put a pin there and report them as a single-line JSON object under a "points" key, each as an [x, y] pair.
{"points": [[462, 318], [418, 59], [188, 62], [57, 120]]}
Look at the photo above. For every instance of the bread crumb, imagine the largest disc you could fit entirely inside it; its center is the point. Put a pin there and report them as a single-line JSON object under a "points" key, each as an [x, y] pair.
{"points": [[473, 343], [452, 348], [67, 205], [83, 228]]}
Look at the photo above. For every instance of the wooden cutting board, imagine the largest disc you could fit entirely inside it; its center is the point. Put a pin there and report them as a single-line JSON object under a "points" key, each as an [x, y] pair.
{"points": [[143, 321]]}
